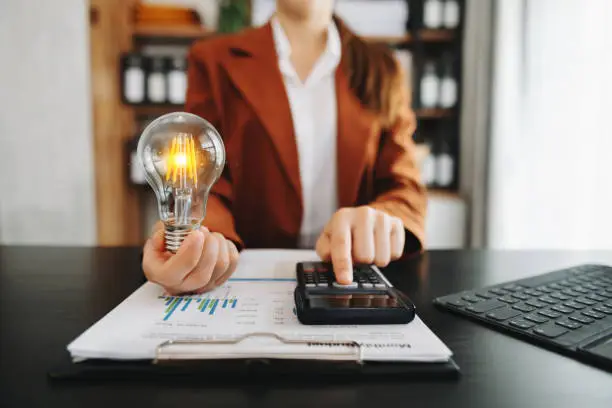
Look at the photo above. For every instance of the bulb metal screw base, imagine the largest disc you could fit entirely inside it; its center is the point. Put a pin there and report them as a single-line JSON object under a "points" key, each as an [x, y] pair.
{"points": [[174, 237]]}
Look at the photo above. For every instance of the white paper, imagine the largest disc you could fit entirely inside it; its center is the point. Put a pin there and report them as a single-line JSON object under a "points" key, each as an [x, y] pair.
{"points": [[148, 318]]}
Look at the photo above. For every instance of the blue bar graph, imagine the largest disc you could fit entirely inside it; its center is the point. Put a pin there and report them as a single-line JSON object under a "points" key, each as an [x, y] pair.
{"points": [[213, 306], [202, 304]]}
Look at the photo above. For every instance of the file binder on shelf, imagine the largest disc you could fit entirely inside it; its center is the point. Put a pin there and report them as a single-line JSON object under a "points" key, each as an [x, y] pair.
{"points": [[173, 360]]}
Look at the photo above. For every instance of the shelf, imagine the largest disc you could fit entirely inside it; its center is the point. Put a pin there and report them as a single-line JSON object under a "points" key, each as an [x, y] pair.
{"points": [[445, 194], [437, 35], [174, 32], [395, 40], [197, 32], [435, 113], [155, 110]]}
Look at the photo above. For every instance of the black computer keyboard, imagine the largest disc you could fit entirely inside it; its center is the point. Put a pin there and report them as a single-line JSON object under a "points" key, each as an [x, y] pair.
{"points": [[569, 310]]}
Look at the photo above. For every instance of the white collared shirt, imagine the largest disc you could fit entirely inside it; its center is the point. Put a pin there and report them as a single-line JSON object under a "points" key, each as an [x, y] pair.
{"points": [[314, 114]]}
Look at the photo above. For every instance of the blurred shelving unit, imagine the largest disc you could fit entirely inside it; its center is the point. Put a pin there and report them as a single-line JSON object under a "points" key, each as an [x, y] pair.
{"points": [[115, 32]]}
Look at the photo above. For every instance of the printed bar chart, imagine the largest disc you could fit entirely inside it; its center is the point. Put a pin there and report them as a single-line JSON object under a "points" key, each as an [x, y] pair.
{"points": [[206, 305]]}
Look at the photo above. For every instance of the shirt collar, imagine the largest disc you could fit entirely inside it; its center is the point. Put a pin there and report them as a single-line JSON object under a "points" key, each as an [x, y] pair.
{"points": [[283, 47]]}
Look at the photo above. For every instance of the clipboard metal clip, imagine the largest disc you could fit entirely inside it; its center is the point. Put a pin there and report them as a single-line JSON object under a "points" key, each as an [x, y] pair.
{"points": [[164, 351]]}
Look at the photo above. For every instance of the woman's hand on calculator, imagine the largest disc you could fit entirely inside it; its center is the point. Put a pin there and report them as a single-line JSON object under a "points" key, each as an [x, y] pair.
{"points": [[362, 235]]}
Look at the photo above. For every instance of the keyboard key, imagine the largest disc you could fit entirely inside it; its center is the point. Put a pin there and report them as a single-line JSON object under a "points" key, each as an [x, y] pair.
{"points": [[565, 283], [586, 301], [568, 324], [574, 305], [594, 314], [536, 318], [582, 319], [608, 304], [535, 303], [524, 308], [556, 286], [380, 286], [548, 299], [498, 291], [522, 324], [485, 306], [563, 309], [545, 289], [512, 288], [603, 309], [595, 297], [576, 336], [508, 299], [590, 287], [368, 285], [580, 289], [534, 292], [521, 296], [571, 292], [485, 295], [471, 298], [549, 313], [600, 284], [560, 296], [604, 294], [503, 314], [550, 330]]}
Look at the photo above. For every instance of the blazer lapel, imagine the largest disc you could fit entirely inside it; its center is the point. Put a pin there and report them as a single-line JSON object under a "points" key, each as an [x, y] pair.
{"points": [[252, 65], [355, 126]]}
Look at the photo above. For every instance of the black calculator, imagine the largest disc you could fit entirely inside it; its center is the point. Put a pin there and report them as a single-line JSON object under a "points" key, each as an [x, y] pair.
{"points": [[369, 299]]}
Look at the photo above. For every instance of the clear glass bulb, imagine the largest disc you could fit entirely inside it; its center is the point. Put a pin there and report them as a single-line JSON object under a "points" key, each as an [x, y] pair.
{"points": [[183, 156]]}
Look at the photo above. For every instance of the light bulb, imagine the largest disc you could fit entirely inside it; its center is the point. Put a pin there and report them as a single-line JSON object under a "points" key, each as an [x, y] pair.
{"points": [[183, 156]]}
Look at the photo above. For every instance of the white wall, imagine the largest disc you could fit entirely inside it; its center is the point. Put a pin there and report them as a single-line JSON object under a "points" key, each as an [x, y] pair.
{"points": [[46, 162]]}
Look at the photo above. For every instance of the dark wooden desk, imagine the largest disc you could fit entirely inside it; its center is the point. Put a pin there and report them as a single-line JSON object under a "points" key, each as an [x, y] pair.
{"points": [[48, 296]]}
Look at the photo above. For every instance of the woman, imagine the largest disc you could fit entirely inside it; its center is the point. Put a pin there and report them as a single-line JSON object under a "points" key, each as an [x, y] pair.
{"points": [[318, 134]]}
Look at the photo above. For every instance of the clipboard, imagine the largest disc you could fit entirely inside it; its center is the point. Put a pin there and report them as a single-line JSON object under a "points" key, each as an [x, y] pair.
{"points": [[173, 362]]}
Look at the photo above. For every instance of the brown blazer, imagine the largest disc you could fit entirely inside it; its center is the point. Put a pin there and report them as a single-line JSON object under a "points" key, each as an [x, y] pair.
{"points": [[234, 82]]}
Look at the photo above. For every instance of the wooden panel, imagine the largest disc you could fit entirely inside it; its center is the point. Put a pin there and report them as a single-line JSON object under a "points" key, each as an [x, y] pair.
{"points": [[117, 205]]}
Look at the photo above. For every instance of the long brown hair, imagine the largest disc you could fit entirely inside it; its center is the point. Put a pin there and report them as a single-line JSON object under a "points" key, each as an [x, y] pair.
{"points": [[374, 75]]}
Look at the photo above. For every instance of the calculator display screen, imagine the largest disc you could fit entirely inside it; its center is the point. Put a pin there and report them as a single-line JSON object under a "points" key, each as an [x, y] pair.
{"points": [[354, 301]]}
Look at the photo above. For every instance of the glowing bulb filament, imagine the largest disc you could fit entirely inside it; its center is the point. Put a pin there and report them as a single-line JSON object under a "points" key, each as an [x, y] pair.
{"points": [[182, 163]]}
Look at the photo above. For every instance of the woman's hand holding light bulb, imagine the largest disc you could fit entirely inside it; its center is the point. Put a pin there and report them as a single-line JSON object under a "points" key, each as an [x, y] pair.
{"points": [[204, 261]]}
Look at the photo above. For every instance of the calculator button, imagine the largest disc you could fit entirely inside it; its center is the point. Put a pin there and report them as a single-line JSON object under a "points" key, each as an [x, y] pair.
{"points": [[351, 285], [367, 285], [322, 268], [380, 286], [322, 284], [311, 285], [308, 267]]}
